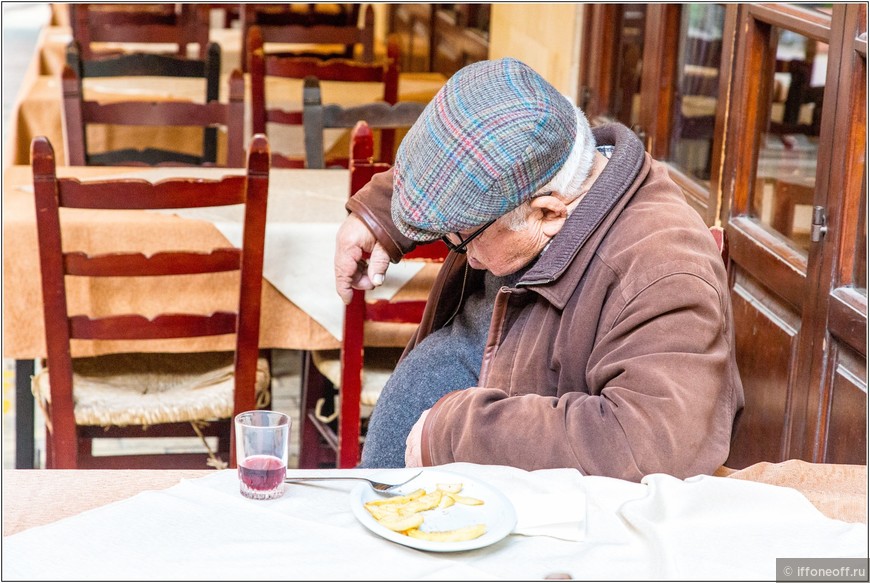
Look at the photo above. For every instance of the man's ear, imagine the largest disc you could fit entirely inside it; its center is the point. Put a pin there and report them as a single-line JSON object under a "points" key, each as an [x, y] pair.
{"points": [[552, 213]]}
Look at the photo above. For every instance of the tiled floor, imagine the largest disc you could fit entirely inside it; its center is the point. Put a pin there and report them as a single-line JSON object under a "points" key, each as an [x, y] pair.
{"points": [[285, 398]]}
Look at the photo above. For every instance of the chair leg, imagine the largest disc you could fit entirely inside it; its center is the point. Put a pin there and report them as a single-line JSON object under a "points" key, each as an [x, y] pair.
{"points": [[49, 451], [313, 452]]}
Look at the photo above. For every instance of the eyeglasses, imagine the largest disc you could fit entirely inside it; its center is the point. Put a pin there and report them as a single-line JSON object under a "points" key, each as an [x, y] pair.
{"points": [[463, 243]]}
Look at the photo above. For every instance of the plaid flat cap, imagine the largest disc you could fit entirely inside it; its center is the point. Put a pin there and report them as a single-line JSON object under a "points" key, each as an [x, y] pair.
{"points": [[492, 136]]}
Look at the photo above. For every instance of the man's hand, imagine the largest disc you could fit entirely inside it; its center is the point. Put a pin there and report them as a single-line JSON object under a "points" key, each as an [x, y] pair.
{"points": [[352, 269], [413, 455]]}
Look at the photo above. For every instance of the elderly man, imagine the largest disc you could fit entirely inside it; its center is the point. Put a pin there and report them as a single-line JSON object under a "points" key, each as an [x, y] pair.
{"points": [[583, 316]]}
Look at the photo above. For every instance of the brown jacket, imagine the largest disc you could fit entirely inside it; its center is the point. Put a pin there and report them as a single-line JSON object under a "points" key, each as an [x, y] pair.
{"points": [[614, 354]]}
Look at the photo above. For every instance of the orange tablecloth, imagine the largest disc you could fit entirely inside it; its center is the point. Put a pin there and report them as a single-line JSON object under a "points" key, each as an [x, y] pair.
{"points": [[283, 325]]}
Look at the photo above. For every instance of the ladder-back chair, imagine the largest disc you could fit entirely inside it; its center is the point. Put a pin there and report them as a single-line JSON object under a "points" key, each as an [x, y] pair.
{"points": [[79, 113], [268, 113], [137, 394], [356, 372], [314, 26]]}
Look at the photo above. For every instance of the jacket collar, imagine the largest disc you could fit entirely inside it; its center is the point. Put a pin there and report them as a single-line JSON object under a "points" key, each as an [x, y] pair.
{"points": [[610, 192]]}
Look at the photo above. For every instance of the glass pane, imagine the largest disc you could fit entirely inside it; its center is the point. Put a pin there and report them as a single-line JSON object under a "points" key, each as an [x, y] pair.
{"points": [[786, 175], [700, 56], [626, 98], [859, 276]]}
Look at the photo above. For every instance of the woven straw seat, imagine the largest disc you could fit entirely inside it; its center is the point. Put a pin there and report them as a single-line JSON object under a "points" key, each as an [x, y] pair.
{"points": [[380, 363], [148, 389]]}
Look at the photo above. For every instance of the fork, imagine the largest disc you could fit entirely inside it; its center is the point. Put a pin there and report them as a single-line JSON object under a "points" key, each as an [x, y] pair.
{"points": [[379, 487]]}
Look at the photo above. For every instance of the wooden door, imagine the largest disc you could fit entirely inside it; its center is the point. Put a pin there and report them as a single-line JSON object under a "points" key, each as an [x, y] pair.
{"points": [[793, 170], [759, 110]]}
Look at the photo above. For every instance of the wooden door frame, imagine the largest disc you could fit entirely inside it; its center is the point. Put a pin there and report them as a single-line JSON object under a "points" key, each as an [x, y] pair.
{"points": [[840, 311]]}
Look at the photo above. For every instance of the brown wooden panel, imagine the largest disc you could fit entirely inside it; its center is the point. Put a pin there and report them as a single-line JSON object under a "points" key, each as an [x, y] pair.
{"points": [[765, 334], [846, 441], [847, 318]]}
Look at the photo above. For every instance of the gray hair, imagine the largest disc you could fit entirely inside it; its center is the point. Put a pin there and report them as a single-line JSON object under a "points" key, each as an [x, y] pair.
{"points": [[567, 182]]}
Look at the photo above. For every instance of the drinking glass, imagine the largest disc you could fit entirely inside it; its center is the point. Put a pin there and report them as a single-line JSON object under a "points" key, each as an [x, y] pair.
{"points": [[261, 453]]}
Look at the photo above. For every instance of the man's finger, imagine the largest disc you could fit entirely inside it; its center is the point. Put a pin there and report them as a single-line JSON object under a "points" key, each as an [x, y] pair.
{"points": [[378, 264]]}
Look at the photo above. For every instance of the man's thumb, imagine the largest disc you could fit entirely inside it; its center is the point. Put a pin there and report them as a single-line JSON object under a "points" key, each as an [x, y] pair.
{"points": [[379, 261]]}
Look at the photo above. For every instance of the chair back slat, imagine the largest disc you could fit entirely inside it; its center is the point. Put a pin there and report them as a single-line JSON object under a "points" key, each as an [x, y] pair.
{"points": [[318, 34], [138, 264], [134, 327], [330, 70], [157, 113], [377, 115], [137, 64], [141, 194], [382, 116], [398, 312]]}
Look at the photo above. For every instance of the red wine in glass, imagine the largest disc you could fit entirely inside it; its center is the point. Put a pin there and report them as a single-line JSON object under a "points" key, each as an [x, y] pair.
{"points": [[262, 472]]}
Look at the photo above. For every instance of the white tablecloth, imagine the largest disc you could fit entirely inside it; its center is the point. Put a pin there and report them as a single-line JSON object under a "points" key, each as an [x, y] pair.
{"points": [[703, 528]]}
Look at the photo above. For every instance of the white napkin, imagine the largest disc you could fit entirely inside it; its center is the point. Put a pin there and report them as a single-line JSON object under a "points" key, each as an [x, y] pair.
{"points": [[707, 527], [547, 502]]}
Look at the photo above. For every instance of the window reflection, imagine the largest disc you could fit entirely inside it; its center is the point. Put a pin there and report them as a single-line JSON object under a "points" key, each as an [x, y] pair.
{"points": [[626, 106], [786, 173], [700, 57]]}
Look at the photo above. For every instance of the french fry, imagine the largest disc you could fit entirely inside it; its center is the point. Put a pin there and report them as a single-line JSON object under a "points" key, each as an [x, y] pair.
{"points": [[402, 523], [450, 488], [467, 500], [383, 512], [398, 500], [423, 503], [460, 534]]}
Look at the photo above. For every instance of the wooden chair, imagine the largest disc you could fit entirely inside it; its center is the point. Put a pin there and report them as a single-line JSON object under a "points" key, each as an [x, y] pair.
{"points": [[266, 109], [106, 396], [155, 65], [78, 114], [179, 24], [383, 117], [314, 26], [357, 373]]}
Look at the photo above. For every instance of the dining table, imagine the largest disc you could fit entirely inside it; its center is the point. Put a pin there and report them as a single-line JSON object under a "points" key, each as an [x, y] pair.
{"points": [[300, 309], [542, 524], [51, 45]]}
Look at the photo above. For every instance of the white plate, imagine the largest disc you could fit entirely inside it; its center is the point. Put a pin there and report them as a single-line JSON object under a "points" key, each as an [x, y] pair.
{"points": [[497, 513]]}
